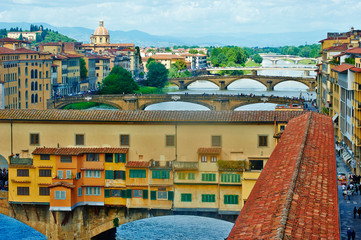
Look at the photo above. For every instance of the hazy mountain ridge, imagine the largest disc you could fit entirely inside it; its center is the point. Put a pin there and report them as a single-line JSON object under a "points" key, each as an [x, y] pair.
{"points": [[140, 38]]}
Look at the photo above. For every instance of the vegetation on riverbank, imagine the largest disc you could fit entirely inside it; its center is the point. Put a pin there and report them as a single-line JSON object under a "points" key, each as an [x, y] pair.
{"points": [[82, 105]]}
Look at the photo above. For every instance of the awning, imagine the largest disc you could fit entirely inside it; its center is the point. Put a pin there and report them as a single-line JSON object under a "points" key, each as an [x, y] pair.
{"points": [[334, 118]]}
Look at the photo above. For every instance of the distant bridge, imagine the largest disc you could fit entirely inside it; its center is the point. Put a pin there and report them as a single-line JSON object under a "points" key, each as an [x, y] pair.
{"points": [[224, 81], [132, 102], [254, 70], [275, 58]]}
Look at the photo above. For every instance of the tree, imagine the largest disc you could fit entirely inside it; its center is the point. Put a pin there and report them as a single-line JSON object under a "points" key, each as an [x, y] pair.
{"points": [[83, 69], [181, 64], [157, 75], [221, 58], [118, 81], [20, 37], [193, 51], [149, 61], [137, 52], [257, 58]]}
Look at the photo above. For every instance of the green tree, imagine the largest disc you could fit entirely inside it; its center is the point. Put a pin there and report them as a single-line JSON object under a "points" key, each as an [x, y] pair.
{"points": [[21, 36], [118, 81], [83, 69], [137, 52], [193, 51], [181, 64], [257, 58], [221, 58], [186, 73], [173, 71], [149, 61], [157, 75]]}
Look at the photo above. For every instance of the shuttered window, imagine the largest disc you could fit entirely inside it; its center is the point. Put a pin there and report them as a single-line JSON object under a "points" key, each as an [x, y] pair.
{"points": [[186, 197], [229, 177], [120, 158], [24, 191], [44, 156], [79, 139], [230, 199], [109, 157], [160, 174], [181, 176], [170, 140], [124, 140], [262, 141], [23, 172], [208, 198], [65, 159], [60, 195], [34, 138], [211, 177], [216, 141], [44, 172], [137, 173], [191, 176], [44, 191]]}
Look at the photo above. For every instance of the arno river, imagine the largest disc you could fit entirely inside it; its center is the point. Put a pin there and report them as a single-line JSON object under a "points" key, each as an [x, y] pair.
{"points": [[185, 227]]}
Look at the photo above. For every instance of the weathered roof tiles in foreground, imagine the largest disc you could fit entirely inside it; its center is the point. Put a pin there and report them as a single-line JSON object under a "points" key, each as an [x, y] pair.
{"points": [[295, 196], [148, 116]]}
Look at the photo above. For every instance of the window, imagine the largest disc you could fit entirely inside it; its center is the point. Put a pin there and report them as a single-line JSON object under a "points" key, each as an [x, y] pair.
{"points": [[44, 172], [65, 159], [60, 195], [213, 158], [169, 140], [44, 156], [181, 175], [162, 195], [160, 174], [256, 164], [68, 174], [108, 157], [79, 139], [216, 141], [92, 191], [208, 198], [137, 193], [115, 193], [186, 197], [60, 174], [23, 172], [230, 199], [80, 192], [191, 176], [204, 158], [282, 127], [124, 140], [78, 175], [23, 191], [92, 157], [92, 173], [120, 157], [209, 177], [137, 173], [229, 177], [262, 141], [44, 191], [34, 138], [119, 175]]}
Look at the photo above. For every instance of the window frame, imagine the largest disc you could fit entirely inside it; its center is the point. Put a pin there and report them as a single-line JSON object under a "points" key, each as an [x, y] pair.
{"points": [[42, 189], [45, 173], [60, 195], [22, 173], [79, 139], [216, 142], [44, 156], [170, 140], [124, 140], [186, 197], [34, 139], [23, 191], [65, 159], [262, 141]]}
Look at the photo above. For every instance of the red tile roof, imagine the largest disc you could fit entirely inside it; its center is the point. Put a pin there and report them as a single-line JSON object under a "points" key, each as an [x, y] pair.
{"points": [[209, 150], [4, 50], [295, 196], [62, 184], [12, 40], [148, 116], [342, 67], [355, 69], [77, 151], [333, 38], [355, 50], [341, 47], [24, 50], [137, 164]]}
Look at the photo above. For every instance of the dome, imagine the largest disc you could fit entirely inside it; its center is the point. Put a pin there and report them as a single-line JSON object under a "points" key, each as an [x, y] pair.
{"points": [[101, 30]]}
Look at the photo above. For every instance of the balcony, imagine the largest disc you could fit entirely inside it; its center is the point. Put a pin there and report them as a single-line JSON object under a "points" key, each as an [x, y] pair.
{"points": [[160, 165], [21, 161], [356, 86], [357, 105], [185, 165], [227, 165]]}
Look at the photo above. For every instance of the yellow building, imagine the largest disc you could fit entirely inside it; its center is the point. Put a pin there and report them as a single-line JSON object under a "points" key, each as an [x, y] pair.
{"points": [[166, 59], [204, 161]]}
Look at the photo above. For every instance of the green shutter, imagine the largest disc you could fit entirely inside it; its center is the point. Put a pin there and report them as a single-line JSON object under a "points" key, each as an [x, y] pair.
{"points": [[116, 157], [170, 195], [122, 157], [109, 174], [156, 174], [204, 177], [129, 193], [123, 193], [153, 195], [165, 174], [106, 193], [145, 194], [122, 175]]}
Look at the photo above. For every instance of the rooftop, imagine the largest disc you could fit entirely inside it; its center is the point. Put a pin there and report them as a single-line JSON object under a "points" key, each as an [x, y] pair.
{"points": [[343, 67], [77, 151], [148, 116], [355, 50], [295, 196]]}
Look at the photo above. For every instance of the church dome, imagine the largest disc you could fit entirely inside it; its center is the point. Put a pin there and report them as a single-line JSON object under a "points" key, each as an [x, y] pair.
{"points": [[101, 30]]}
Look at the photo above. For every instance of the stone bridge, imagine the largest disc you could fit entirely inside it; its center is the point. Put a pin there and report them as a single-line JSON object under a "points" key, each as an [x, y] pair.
{"points": [[85, 222], [224, 81], [140, 102]]}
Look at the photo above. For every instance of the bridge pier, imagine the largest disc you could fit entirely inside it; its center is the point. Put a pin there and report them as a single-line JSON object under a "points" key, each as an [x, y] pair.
{"points": [[254, 73], [181, 85], [222, 104], [223, 85], [270, 87], [131, 103], [306, 73], [274, 62]]}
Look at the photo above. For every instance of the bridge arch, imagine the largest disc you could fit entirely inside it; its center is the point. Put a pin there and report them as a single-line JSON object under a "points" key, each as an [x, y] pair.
{"points": [[3, 162], [63, 105], [307, 84], [210, 107], [234, 108], [216, 82], [246, 78]]}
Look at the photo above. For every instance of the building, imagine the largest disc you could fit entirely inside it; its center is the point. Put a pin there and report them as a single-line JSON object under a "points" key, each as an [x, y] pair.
{"points": [[13, 44], [166, 59], [60, 47], [338, 91], [2, 95], [203, 161], [27, 78], [197, 61], [29, 36]]}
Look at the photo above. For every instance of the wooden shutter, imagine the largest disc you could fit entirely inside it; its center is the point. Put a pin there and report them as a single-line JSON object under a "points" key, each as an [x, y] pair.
{"points": [[106, 193], [145, 194], [170, 195], [153, 195]]}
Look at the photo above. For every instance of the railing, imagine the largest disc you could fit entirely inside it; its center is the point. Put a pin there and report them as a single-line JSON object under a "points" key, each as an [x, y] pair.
{"points": [[185, 165], [356, 86], [21, 161], [357, 104]]}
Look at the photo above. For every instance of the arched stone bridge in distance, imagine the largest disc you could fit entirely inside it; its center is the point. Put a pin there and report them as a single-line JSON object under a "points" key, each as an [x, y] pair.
{"points": [[224, 81], [140, 102]]}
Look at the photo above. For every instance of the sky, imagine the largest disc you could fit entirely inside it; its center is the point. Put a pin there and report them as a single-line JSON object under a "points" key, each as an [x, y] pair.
{"points": [[189, 17]]}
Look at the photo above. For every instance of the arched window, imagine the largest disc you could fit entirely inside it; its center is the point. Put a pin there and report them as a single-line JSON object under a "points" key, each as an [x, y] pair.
{"points": [[36, 86], [36, 98], [32, 74], [26, 95], [32, 98], [19, 83], [26, 71], [36, 73], [32, 86], [19, 95], [26, 82]]}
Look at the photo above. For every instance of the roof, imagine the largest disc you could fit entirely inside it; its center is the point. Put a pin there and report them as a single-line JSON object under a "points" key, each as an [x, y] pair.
{"points": [[148, 116], [51, 44], [355, 50], [341, 47], [343, 67], [77, 151], [295, 196], [164, 56], [356, 69], [333, 38], [62, 184], [4, 50], [137, 164], [109, 45], [24, 50], [12, 40], [209, 150]]}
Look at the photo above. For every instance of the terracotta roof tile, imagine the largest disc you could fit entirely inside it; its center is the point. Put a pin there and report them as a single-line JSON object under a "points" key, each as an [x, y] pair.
{"points": [[12, 40], [77, 151], [342, 67], [62, 184], [137, 164], [341, 47], [4, 50], [210, 150], [148, 116], [355, 69], [355, 50], [295, 196], [333, 38]]}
